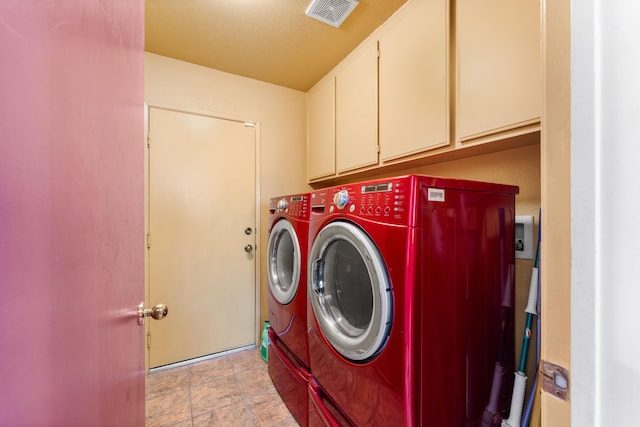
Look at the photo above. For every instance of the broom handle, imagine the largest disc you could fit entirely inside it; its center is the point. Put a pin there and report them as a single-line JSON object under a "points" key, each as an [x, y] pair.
{"points": [[520, 383]]}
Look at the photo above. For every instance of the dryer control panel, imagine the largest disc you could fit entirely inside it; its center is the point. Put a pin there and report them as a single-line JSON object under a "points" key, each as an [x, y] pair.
{"points": [[297, 206]]}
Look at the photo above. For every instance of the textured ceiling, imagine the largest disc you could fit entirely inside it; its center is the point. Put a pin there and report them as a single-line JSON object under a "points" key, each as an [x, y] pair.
{"points": [[268, 40]]}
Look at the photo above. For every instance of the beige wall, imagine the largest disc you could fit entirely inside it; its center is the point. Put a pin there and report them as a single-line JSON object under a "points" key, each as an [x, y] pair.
{"points": [[279, 112]]}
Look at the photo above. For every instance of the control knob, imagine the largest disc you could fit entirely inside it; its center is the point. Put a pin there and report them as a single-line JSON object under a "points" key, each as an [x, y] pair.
{"points": [[282, 204], [341, 199]]}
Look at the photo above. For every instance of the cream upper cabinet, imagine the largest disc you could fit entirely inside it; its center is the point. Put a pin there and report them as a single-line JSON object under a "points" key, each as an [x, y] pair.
{"points": [[321, 148], [413, 79], [439, 78], [357, 109], [498, 68]]}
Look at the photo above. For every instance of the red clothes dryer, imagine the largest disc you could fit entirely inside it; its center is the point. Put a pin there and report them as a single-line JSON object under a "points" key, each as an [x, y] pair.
{"points": [[410, 302], [288, 360]]}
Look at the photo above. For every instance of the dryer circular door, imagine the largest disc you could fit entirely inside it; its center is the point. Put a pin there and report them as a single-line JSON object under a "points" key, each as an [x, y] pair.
{"points": [[350, 291], [283, 267]]}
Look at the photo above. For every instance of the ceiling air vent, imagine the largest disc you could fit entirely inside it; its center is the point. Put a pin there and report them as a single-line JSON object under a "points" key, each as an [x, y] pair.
{"points": [[332, 12]]}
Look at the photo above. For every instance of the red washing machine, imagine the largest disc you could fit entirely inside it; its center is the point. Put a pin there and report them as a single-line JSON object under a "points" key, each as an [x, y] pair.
{"points": [[410, 302], [287, 299]]}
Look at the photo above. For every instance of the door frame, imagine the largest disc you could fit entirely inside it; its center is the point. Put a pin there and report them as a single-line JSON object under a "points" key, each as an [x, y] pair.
{"points": [[205, 113]]}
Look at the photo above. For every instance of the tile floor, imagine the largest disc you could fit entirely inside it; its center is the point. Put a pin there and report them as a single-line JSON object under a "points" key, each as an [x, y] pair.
{"points": [[231, 390]]}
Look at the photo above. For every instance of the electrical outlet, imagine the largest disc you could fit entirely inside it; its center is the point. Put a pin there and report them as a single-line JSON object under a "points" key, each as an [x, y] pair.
{"points": [[524, 237]]}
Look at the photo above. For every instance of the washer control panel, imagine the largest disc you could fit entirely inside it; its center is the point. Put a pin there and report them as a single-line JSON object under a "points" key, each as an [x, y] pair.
{"points": [[384, 200]]}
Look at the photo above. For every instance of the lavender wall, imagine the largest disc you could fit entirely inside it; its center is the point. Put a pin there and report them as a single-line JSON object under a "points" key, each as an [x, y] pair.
{"points": [[71, 212]]}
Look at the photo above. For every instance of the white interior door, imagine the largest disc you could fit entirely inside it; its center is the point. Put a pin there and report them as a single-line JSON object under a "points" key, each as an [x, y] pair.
{"points": [[202, 234]]}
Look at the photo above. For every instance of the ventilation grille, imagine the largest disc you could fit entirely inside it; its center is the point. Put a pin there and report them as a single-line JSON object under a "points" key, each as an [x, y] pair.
{"points": [[332, 12]]}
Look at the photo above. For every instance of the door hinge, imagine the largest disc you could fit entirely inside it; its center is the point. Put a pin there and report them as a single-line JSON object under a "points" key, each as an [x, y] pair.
{"points": [[148, 141], [149, 340], [555, 380], [148, 240], [378, 148]]}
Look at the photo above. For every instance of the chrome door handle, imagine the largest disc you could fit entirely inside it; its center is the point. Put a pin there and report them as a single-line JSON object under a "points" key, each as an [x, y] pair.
{"points": [[248, 248], [157, 312]]}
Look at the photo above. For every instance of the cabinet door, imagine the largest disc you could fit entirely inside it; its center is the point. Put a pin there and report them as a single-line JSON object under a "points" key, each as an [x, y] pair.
{"points": [[321, 148], [357, 109], [413, 80], [499, 76]]}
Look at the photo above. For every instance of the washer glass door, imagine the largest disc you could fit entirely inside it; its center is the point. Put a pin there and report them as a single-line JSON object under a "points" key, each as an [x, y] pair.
{"points": [[349, 289], [284, 261]]}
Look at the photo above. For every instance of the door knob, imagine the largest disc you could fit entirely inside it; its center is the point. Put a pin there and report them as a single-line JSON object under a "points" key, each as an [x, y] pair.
{"points": [[157, 312], [248, 248]]}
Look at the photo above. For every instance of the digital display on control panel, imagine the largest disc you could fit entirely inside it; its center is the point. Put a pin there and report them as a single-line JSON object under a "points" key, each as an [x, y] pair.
{"points": [[296, 198], [377, 188]]}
